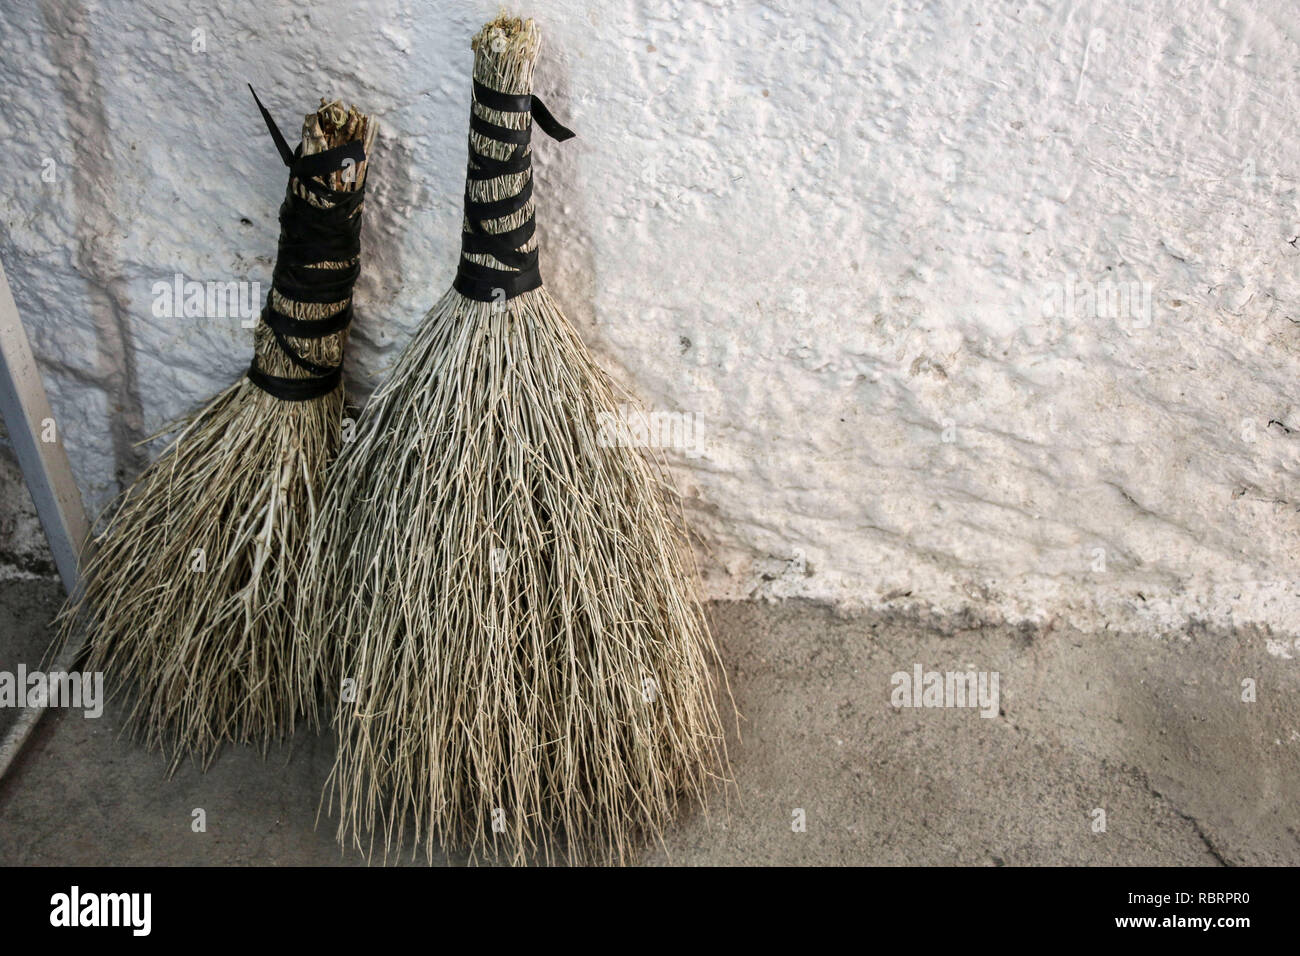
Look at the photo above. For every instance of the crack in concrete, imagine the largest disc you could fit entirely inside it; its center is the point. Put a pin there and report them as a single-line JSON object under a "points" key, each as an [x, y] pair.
{"points": [[1142, 777]]}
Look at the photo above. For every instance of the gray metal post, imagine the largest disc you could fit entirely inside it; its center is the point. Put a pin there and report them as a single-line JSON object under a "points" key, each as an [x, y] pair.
{"points": [[38, 443]]}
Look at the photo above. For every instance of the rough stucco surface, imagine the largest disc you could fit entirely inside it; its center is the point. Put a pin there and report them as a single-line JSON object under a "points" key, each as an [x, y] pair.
{"points": [[836, 233]]}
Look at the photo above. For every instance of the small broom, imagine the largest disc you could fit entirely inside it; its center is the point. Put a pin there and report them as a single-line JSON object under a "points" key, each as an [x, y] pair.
{"points": [[188, 593], [516, 602]]}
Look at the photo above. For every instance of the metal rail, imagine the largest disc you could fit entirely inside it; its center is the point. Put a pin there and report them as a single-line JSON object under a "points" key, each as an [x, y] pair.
{"points": [[38, 444]]}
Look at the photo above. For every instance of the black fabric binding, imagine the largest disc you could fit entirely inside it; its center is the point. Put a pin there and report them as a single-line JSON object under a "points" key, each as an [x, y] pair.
{"points": [[484, 283], [308, 235]]}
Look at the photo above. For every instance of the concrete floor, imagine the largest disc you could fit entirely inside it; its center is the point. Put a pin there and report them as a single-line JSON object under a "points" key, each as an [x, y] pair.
{"points": [[1150, 729]]}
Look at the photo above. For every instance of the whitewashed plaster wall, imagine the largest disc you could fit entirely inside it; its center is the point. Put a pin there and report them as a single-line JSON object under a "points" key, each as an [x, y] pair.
{"points": [[871, 247]]}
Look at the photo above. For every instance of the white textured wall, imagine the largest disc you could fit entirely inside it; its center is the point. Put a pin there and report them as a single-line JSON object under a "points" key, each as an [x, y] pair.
{"points": [[836, 232]]}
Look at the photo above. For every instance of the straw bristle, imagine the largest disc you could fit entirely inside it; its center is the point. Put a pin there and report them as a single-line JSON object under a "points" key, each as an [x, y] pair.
{"points": [[188, 593], [532, 671]]}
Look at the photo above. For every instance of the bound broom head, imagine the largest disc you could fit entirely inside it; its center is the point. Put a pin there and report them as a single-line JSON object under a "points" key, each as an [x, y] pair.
{"points": [[187, 594], [532, 671]]}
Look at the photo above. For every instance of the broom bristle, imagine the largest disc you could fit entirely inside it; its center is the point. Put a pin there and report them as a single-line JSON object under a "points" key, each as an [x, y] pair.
{"points": [[188, 594], [532, 669]]}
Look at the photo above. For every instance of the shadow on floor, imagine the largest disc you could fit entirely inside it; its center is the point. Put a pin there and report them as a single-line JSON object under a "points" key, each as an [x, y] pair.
{"points": [[1147, 735]]}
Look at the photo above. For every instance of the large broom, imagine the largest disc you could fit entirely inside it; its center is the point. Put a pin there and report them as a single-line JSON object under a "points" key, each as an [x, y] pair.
{"points": [[530, 669], [188, 593]]}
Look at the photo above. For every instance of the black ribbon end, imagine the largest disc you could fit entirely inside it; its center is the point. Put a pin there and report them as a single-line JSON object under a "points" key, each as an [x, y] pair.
{"points": [[549, 124], [280, 143]]}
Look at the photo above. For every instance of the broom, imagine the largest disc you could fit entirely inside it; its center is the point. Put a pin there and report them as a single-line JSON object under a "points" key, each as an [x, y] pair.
{"points": [[188, 593], [530, 668]]}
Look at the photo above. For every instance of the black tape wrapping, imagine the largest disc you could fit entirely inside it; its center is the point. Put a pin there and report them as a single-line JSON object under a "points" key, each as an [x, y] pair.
{"points": [[310, 234], [485, 283]]}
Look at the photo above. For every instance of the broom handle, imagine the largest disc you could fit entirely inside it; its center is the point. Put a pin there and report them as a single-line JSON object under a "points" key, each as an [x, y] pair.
{"points": [[312, 234], [45, 468], [487, 283]]}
